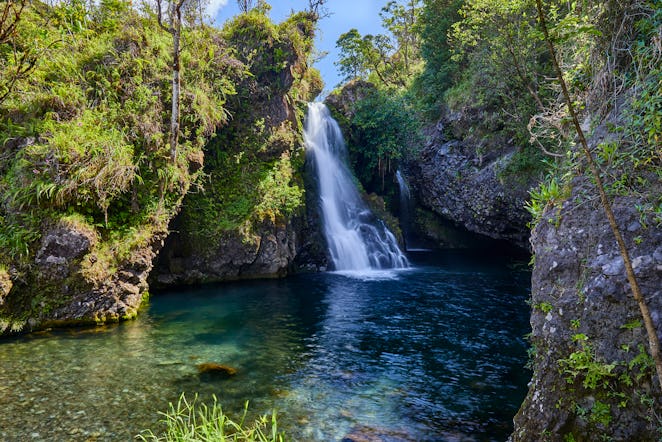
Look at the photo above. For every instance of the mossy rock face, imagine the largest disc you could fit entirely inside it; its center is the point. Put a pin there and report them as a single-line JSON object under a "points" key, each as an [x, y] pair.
{"points": [[378, 207], [461, 186], [78, 285], [341, 102], [246, 223], [592, 374]]}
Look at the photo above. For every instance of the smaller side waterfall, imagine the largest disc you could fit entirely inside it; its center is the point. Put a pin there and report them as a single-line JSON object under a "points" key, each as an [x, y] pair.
{"points": [[357, 239], [404, 188], [405, 207]]}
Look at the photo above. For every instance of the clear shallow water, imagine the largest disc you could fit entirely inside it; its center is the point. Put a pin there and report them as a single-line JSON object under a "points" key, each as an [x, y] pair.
{"points": [[432, 353]]}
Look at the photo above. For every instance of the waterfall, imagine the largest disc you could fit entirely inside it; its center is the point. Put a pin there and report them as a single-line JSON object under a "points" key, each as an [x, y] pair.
{"points": [[357, 239], [405, 207], [404, 188]]}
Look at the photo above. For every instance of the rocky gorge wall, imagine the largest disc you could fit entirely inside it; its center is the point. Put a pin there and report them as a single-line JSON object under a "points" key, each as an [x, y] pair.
{"points": [[593, 378], [461, 179]]}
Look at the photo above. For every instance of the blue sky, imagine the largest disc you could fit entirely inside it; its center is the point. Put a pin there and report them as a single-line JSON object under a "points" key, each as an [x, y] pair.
{"points": [[345, 15]]}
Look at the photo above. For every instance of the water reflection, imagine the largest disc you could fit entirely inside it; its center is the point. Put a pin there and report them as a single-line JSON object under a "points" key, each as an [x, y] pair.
{"points": [[433, 353]]}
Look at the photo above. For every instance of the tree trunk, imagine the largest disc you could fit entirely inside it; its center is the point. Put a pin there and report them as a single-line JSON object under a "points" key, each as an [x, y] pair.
{"points": [[176, 85], [175, 29]]}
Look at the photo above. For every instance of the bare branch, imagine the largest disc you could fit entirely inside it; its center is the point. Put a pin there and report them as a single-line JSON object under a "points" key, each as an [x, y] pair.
{"points": [[318, 8], [245, 5], [11, 15], [159, 17]]}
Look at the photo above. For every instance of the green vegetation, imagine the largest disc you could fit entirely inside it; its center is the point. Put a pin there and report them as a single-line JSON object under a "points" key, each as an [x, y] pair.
{"points": [[87, 133], [490, 59], [549, 194], [193, 421], [391, 60], [582, 362], [84, 134], [544, 307], [605, 385], [252, 167], [383, 132], [440, 68]]}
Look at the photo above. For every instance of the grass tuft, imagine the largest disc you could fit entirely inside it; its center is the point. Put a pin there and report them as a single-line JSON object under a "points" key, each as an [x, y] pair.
{"points": [[193, 421]]}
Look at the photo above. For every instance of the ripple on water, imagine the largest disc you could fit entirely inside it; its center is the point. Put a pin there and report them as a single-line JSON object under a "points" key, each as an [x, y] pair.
{"points": [[429, 353]]}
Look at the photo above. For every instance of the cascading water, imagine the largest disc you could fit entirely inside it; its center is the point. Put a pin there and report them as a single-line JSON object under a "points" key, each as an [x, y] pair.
{"points": [[405, 207], [357, 239]]}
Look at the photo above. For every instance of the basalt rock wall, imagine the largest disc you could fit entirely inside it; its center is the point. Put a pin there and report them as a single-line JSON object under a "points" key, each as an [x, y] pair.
{"points": [[460, 180]]}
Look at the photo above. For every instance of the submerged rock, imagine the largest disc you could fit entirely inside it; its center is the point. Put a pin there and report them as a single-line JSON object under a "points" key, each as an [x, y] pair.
{"points": [[370, 434], [216, 369]]}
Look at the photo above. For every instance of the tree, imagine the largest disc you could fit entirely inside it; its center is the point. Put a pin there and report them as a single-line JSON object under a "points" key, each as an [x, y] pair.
{"points": [[245, 5], [370, 56], [509, 30], [383, 132], [352, 61], [172, 23], [402, 21], [22, 59], [439, 70], [9, 18], [385, 60]]}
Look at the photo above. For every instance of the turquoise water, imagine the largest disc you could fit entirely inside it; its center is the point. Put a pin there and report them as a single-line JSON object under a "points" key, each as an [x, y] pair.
{"points": [[432, 353]]}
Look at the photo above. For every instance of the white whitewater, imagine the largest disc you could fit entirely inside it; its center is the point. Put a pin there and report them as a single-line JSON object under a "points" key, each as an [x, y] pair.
{"points": [[357, 240]]}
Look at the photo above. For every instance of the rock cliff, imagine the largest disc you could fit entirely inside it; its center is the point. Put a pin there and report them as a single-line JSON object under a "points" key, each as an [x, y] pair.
{"points": [[245, 221], [463, 179], [593, 377]]}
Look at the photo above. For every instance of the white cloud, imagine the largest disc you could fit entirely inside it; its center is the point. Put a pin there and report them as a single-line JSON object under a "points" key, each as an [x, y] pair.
{"points": [[215, 6]]}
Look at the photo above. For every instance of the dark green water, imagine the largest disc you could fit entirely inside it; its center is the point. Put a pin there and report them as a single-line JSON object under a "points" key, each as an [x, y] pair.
{"points": [[434, 353]]}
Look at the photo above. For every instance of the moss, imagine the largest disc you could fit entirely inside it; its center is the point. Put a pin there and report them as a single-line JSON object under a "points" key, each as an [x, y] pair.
{"points": [[378, 207], [88, 142], [6, 283], [253, 167]]}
